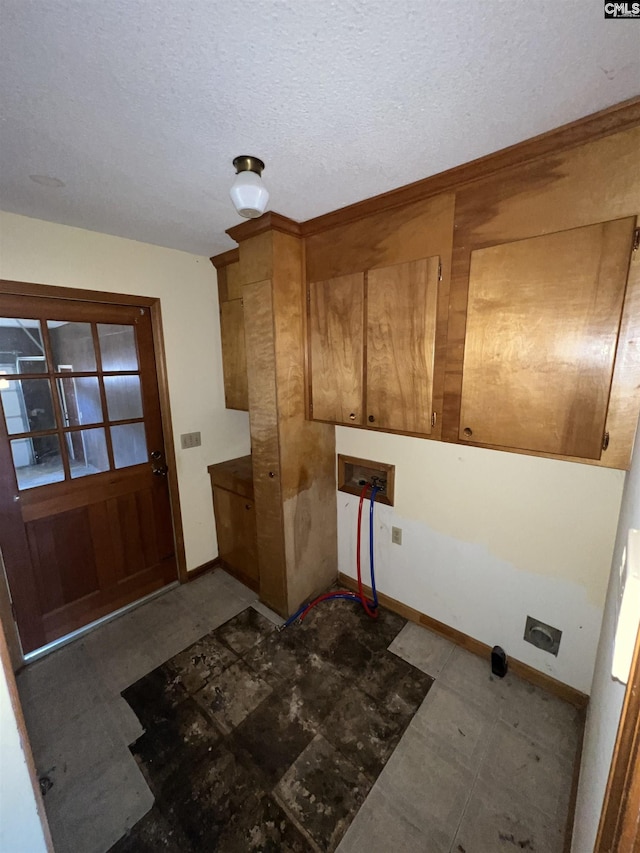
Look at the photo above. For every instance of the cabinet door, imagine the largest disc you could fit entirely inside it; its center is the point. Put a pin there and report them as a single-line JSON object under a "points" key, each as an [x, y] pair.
{"points": [[234, 358], [236, 531], [336, 346], [401, 329], [542, 327]]}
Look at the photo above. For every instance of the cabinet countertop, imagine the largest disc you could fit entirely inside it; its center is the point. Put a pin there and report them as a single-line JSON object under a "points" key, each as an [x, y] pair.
{"points": [[236, 475]]}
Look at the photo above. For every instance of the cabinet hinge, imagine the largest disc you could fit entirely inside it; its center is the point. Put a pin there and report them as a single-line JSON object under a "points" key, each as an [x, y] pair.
{"points": [[308, 296], [310, 408], [433, 419], [439, 270], [605, 441], [636, 240]]}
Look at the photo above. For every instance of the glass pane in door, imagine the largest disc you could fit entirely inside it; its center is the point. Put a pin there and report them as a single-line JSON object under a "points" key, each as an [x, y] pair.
{"points": [[27, 405], [71, 346], [129, 445], [80, 400], [21, 348], [124, 399], [37, 461], [117, 347], [87, 452]]}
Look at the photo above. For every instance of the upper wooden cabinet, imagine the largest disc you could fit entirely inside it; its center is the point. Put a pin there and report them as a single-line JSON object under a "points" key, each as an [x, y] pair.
{"points": [[389, 314], [525, 337], [401, 333], [336, 346], [543, 318], [234, 356]]}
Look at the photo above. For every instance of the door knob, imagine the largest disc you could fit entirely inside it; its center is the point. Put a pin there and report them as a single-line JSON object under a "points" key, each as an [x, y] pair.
{"points": [[271, 474], [352, 416], [156, 454], [467, 431], [371, 419], [161, 471]]}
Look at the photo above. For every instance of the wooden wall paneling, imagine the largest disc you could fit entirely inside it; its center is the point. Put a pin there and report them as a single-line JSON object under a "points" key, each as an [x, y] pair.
{"points": [[540, 197], [103, 545], [162, 517], [148, 528], [263, 416], [62, 554], [307, 448], [401, 327], [131, 537], [336, 331], [234, 357], [542, 327]]}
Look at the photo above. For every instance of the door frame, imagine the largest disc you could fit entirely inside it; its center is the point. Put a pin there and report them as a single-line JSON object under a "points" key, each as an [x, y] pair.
{"points": [[619, 829], [23, 288]]}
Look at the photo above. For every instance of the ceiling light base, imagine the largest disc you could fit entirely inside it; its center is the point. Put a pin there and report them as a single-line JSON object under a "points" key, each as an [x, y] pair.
{"points": [[247, 163]]}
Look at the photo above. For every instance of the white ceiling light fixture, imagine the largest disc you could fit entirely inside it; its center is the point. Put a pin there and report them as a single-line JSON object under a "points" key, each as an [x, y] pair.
{"points": [[248, 193]]}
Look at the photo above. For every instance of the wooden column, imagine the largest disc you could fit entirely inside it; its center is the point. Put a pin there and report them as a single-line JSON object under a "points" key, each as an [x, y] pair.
{"points": [[293, 458]]}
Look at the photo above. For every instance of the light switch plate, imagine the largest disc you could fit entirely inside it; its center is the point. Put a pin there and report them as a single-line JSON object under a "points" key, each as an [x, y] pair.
{"points": [[190, 439]]}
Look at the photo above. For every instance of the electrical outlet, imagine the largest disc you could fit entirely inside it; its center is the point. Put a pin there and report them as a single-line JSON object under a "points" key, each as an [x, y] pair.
{"points": [[190, 439], [396, 535]]}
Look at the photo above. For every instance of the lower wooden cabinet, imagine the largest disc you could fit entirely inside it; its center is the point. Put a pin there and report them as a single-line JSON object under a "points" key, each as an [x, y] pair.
{"points": [[234, 509]]}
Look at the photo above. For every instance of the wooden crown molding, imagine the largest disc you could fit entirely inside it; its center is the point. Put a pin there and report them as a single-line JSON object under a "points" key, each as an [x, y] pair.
{"points": [[267, 222], [615, 119], [225, 258]]}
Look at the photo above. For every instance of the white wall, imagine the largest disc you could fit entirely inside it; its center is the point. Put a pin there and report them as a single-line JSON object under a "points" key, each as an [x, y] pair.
{"points": [[36, 251], [489, 538], [20, 827], [607, 695]]}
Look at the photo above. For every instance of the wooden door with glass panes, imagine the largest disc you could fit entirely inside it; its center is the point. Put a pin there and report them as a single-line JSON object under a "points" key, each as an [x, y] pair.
{"points": [[85, 520]]}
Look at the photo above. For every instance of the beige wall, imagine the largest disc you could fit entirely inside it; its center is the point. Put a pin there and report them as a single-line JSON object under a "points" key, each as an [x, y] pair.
{"points": [[491, 537], [36, 251]]}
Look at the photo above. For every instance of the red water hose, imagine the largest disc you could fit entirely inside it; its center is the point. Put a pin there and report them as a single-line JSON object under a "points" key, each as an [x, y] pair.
{"points": [[370, 611]]}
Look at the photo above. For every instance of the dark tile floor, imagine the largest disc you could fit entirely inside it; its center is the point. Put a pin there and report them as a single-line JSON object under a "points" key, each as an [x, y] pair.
{"points": [[264, 740], [484, 763]]}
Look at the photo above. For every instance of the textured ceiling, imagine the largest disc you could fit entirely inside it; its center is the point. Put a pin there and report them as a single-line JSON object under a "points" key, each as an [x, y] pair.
{"points": [[139, 106]]}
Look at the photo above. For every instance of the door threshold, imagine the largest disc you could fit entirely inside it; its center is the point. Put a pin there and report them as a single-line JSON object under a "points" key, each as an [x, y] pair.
{"points": [[36, 654]]}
